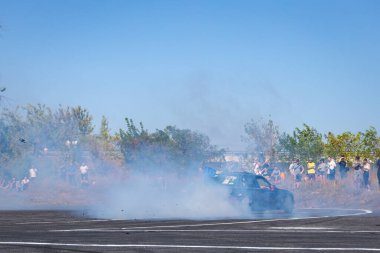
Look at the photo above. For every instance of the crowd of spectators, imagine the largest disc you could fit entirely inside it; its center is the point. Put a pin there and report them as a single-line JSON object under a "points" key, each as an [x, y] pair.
{"points": [[322, 171], [19, 184], [69, 173], [270, 171], [326, 171]]}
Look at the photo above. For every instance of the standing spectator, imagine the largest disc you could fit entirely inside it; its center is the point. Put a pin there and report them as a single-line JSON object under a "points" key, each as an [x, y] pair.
{"points": [[322, 170], [343, 169], [331, 169], [32, 173], [291, 166], [378, 171], [19, 185], [24, 183], [311, 170], [366, 169], [256, 168], [266, 170], [358, 173], [268, 166], [83, 173], [297, 172], [276, 175]]}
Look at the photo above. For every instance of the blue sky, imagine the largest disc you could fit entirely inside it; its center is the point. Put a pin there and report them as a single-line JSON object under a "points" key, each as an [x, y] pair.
{"points": [[210, 66]]}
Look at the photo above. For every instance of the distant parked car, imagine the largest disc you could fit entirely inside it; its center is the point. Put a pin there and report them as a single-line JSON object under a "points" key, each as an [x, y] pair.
{"points": [[257, 191]]}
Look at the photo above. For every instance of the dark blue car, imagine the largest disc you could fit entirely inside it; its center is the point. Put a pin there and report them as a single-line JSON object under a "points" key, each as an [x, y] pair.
{"points": [[257, 191]]}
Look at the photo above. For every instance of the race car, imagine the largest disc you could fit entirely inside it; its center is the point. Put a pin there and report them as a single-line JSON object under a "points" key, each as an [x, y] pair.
{"points": [[256, 191]]}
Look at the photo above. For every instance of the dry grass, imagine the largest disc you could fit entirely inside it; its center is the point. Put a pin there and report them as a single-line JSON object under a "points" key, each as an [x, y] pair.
{"points": [[341, 193]]}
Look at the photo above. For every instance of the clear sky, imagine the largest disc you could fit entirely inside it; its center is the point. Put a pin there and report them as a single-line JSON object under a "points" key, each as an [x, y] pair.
{"points": [[210, 66]]}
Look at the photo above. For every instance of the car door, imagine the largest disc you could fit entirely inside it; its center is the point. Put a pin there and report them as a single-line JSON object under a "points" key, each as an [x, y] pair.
{"points": [[262, 194]]}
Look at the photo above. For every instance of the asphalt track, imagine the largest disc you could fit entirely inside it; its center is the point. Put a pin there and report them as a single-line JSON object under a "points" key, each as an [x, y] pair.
{"points": [[308, 230]]}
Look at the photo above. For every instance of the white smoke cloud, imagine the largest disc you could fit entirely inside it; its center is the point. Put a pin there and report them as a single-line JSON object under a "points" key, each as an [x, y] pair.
{"points": [[167, 197]]}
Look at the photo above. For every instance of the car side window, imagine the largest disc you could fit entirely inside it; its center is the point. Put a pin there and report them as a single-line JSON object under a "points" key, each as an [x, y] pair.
{"points": [[251, 182], [247, 181], [263, 184]]}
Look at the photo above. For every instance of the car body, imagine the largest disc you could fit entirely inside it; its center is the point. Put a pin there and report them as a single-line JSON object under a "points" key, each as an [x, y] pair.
{"points": [[256, 191]]}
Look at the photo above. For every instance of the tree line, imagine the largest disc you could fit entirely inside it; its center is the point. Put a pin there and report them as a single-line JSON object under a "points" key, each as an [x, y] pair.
{"points": [[26, 130], [306, 142]]}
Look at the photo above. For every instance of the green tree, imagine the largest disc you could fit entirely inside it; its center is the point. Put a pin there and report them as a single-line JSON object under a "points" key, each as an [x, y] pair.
{"points": [[262, 137], [30, 128], [188, 147], [364, 144], [12, 135], [133, 141], [104, 129], [104, 145], [304, 143], [370, 143], [286, 148], [170, 148], [83, 119]]}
